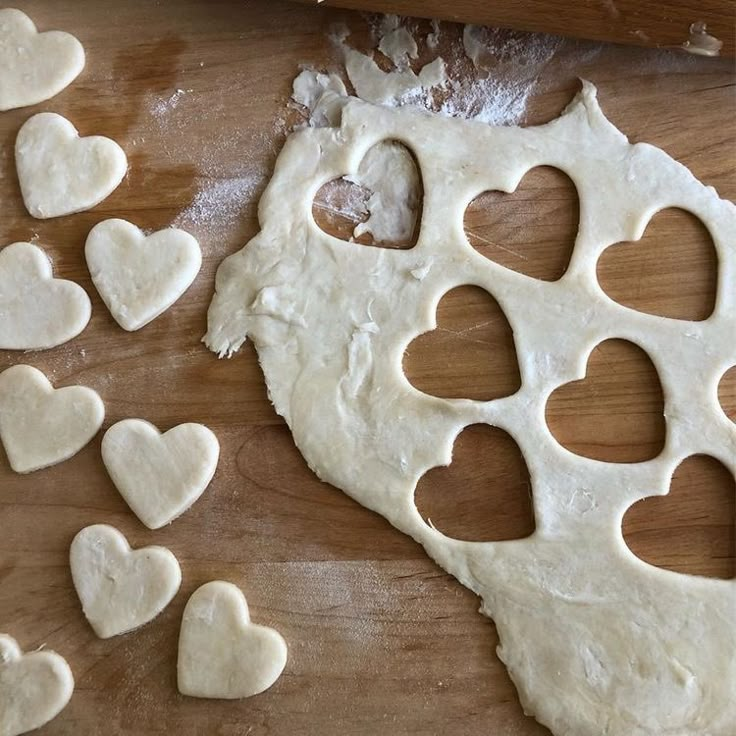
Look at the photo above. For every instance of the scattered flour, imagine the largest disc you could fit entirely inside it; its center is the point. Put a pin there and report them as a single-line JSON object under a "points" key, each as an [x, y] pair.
{"points": [[485, 74], [221, 201]]}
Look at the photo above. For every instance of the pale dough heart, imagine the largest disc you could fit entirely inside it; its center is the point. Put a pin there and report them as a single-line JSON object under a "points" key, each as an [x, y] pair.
{"points": [[34, 687], [120, 588], [40, 425], [34, 66], [140, 277], [61, 173], [159, 475], [221, 653], [37, 311]]}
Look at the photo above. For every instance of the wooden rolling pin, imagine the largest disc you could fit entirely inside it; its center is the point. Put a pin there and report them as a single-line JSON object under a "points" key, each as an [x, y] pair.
{"points": [[705, 27]]}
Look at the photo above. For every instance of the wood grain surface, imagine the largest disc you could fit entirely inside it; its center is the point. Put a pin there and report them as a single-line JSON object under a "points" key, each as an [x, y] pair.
{"points": [[658, 24], [381, 640]]}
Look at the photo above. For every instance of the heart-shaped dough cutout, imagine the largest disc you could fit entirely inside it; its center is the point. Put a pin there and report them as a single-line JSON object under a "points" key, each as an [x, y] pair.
{"points": [[221, 653], [159, 475], [120, 588], [34, 66], [41, 425], [34, 687], [61, 173], [38, 311], [140, 276]]}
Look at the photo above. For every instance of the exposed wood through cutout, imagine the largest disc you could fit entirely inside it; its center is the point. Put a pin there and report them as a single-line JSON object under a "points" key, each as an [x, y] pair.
{"points": [[727, 393], [671, 272], [471, 354], [693, 528], [531, 230], [615, 413], [387, 199], [484, 494]]}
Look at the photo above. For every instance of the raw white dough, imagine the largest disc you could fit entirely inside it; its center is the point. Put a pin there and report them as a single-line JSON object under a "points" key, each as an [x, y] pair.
{"points": [[40, 425], [61, 173], [34, 66], [221, 653], [374, 85], [34, 687], [399, 45], [324, 95], [159, 475], [37, 311], [120, 588], [139, 277], [389, 173], [596, 640]]}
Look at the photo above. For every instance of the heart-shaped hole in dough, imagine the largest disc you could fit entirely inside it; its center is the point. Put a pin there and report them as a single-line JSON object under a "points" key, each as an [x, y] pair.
{"points": [[379, 205], [531, 230], [672, 271], [471, 353], [615, 413], [727, 393], [692, 529], [484, 494]]}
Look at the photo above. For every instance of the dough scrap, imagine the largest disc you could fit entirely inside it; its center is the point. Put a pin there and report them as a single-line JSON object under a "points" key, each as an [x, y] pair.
{"points": [[61, 173], [37, 311], [120, 588], [159, 475], [139, 277], [34, 66], [40, 425], [594, 639], [221, 653], [34, 687]]}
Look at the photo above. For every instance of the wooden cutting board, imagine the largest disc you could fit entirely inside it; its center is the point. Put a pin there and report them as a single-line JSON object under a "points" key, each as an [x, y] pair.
{"points": [[381, 640], [707, 26]]}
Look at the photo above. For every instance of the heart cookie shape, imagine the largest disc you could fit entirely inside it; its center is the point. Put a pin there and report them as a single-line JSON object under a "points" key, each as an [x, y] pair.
{"points": [[61, 173], [34, 66], [38, 311], [34, 687], [139, 276], [221, 653], [41, 425], [120, 588], [159, 475]]}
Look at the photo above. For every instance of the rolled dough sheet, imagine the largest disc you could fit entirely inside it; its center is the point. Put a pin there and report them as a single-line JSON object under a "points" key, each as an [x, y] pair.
{"points": [[596, 640]]}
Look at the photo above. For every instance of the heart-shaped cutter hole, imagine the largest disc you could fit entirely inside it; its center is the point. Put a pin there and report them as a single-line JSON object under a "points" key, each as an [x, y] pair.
{"points": [[614, 414], [470, 355], [727, 393], [531, 230], [484, 494], [671, 271], [379, 205], [691, 529]]}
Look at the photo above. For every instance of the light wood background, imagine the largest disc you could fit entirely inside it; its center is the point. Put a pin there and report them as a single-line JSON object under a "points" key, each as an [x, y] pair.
{"points": [[655, 24], [381, 640]]}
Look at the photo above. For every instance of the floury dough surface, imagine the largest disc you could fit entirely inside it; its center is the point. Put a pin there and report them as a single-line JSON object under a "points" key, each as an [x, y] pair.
{"points": [[40, 425], [37, 311], [61, 173], [34, 687], [222, 654], [140, 276], [120, 588], [596, 640], [34, 66]]}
